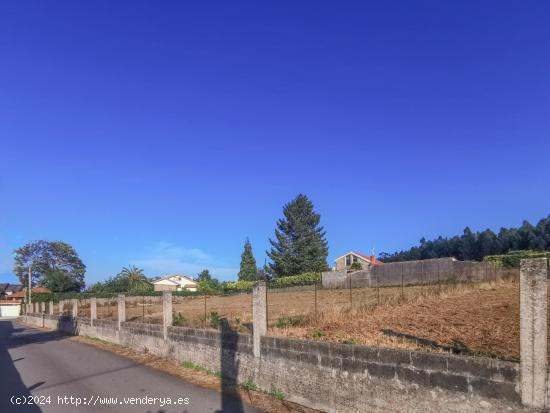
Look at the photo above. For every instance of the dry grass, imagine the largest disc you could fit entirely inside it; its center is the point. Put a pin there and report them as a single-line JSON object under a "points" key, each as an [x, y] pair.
{"points": [[481, 319]]}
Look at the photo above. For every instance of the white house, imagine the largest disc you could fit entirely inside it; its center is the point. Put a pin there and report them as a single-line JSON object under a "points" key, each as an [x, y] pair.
{"points": [[175, 282]]}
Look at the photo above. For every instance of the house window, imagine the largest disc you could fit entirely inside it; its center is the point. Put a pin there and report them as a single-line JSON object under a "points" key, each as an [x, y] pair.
{"points": [[354, 258], [348, 260]]}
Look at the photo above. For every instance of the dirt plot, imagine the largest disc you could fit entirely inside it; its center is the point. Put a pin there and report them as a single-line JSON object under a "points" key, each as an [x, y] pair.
{"points": [[471, 318], [483, 320]]}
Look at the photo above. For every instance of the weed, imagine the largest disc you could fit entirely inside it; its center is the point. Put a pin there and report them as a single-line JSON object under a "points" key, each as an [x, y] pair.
{"points": [[215, 319], [317, 334], [250, 385], [196, 367], [179, 320], [291, 321], [277, 393]]}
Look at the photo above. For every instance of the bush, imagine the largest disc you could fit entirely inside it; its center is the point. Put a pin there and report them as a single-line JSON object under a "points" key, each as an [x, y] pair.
{"points": [[178, 319], [237, 286], [513, 258]]}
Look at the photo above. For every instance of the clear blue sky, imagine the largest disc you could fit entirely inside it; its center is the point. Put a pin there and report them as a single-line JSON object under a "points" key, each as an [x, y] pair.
{"points": [[163, 134]]}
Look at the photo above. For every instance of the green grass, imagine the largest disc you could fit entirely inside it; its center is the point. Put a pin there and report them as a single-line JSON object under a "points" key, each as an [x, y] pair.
{"points": [[196, 367], [250, 385], [98, 340], [317, 334], [277, 393]]}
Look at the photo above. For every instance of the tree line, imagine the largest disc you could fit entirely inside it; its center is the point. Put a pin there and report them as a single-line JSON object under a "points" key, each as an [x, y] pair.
{"points": [[476, 245]]}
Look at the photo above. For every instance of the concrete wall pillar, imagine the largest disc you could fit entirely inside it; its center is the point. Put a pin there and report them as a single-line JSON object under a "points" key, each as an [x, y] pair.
{"points": [[43, 307], [35, 307], [533, 328], [166, 311], [75, 307], [93, 310], [61, 306], [259, 315], [50, 307], [121, 301]]}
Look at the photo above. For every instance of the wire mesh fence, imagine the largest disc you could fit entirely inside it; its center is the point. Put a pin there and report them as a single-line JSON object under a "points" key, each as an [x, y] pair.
{"points": [[208, 311], [107, 308], [467, 315]]}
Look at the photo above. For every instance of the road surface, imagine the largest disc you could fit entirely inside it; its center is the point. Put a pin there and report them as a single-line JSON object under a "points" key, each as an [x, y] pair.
{"points": [[37, 364]]}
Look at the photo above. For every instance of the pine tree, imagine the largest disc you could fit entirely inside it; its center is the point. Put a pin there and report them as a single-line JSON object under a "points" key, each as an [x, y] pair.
{"points": [[248, 271], [300, 245]]}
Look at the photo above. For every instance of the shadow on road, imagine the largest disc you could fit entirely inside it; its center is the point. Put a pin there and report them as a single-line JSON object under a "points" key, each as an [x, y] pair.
{"points": [[231, 401], [12, 385]]}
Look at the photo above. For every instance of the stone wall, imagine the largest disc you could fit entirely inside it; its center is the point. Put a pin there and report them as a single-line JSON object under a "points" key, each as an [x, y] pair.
{"points": [[328, 376]]}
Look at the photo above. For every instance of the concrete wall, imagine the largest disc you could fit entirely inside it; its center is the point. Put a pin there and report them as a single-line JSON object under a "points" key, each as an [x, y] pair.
{"points": [[415, 273], [328, 376]]}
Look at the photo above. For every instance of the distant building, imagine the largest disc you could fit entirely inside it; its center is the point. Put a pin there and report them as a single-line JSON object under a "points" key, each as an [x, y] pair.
{"points": [[21, 294], [346, 261], [175, 283], [7, 290]]}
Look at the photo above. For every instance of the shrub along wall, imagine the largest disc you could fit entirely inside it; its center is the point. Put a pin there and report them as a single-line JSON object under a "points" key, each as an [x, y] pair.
{"points": [[513, 258]]}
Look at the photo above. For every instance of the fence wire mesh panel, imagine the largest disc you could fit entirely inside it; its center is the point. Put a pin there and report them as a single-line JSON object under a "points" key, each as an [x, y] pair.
{"points": [[68, 308], [209, 310], [84, 308], [472, 310], [291, 308], [107, 308], [151, 309], [133, 310]]}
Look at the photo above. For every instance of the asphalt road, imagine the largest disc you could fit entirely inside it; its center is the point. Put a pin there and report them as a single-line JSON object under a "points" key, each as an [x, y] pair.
{"points": [[42, 363]]}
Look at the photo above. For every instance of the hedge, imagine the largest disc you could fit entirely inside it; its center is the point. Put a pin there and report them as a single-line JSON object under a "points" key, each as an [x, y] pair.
{"points": [[513, 258], [306, 278]]}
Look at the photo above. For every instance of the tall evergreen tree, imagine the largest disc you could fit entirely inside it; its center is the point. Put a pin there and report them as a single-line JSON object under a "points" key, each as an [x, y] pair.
{"points": [[300, 245], [248, 271]]}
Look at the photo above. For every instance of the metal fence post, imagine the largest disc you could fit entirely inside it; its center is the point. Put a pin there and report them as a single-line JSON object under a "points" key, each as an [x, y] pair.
{"points": [[402, 286], [315, 299], [350, 297], [205, 309], [377, 288]]}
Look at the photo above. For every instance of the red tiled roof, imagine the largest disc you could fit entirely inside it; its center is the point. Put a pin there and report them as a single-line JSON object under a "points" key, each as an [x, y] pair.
{"points": [[373, 260], [35, 290]]}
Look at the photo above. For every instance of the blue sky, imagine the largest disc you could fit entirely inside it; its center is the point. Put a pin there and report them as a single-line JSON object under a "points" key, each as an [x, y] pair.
{"points": [[165, 134]]}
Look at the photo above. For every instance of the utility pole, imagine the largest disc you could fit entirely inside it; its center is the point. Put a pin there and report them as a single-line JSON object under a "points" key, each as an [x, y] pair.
{"points": [[30, 282]]}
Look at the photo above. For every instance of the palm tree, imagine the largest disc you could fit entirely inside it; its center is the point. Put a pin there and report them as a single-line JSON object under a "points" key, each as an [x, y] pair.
{"points": [[134, 274]]}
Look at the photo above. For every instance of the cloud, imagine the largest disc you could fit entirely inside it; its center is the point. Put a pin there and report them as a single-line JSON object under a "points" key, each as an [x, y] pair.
{"points": [[166, 258]]}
